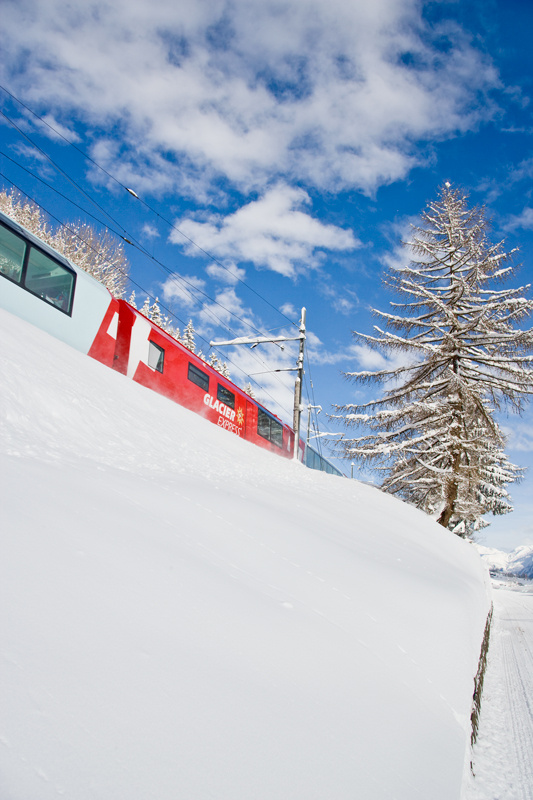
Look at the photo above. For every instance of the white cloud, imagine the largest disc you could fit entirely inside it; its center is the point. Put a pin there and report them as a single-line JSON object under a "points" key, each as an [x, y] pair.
{"points": [[332, 95], [227, 310], [226, 273], [519, 433], [523, 220], [372, 360], [289, 310], [272, 232], [184, 290], [150, 231]]}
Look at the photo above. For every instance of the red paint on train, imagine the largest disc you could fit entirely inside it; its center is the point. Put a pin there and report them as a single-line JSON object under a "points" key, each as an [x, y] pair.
{"points": [[150, 356]]}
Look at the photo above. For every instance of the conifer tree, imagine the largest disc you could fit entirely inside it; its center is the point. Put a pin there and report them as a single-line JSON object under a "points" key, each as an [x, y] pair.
{"points": [[99, 254], [155, 314], [433, 433], [146, 308], [188, 336], [224, 370]]}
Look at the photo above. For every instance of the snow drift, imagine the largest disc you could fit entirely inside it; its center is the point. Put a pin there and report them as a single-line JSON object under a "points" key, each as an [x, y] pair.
{"points": [[185, 615]]}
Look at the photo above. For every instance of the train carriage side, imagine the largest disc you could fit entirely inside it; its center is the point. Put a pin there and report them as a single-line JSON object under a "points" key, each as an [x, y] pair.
{"points": [[150, 356], [46, 289]]}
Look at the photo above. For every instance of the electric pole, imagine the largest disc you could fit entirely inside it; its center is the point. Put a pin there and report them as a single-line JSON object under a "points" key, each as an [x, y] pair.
{"points": [[298, 408]]}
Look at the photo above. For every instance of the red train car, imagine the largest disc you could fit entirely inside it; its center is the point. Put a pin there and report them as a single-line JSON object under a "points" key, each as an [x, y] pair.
{"points": [[147, 354], [43, 287]]}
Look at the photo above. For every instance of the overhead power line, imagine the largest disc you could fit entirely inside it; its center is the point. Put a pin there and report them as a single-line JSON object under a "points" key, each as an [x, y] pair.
{"points": [[133, 193], [192, 289]]}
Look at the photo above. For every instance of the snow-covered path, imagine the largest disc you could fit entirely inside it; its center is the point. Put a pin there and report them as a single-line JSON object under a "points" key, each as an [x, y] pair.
{"points": [[503, 755]]}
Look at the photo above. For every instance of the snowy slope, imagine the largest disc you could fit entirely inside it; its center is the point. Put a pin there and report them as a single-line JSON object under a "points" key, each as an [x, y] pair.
{"points": [[186, 616]]}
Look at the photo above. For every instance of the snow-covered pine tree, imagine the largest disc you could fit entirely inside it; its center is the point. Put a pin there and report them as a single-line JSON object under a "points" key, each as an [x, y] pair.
{"points": [[97, 253], [433, 433], [249, 390], [131, 299], [220, 366], [155, 313], [188, 336], [146, 308], [224, 370]]}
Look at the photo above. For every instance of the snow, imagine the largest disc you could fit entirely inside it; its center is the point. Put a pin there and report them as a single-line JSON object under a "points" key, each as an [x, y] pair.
{"points": [[186, 615], [518, 563], [502, 755]]}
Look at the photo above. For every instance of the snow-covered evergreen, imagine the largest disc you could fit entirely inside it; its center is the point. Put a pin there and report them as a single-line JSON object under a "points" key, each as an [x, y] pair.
{"points": [[98, 253], [465, 356], [188, 336], [220, 366], [155, 313]]}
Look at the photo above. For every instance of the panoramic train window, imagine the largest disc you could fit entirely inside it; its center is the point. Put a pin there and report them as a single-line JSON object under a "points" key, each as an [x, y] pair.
{"points": [[269, 428], [12, 251], [49, 280], [198, 377], [225, 396], [156, 356]]}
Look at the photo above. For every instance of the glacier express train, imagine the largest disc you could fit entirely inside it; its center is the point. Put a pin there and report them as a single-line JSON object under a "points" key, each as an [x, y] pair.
{"points": [[46, 289]]}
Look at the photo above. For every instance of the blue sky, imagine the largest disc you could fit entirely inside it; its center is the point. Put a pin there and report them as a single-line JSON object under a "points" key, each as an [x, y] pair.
{"points": [[280, 151]]}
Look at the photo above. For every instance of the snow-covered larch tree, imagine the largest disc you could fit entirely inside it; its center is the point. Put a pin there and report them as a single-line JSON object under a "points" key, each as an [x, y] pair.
{"points": [[434, 433]]}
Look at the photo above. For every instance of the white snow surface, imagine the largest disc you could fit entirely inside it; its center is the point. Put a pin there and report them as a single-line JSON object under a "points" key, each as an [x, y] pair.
{"points": [[184, 615], [502, 762]]}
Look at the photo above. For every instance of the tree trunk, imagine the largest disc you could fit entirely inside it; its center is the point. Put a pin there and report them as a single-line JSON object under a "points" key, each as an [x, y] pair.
{"points": [[448, 509]]}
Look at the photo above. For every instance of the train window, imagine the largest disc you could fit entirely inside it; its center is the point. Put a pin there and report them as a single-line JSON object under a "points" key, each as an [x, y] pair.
{"points": [[49, 280], [263, 424], [12, 252], [156, 356], [198, 377], [276, 433], [269, 428], [225, 396]]}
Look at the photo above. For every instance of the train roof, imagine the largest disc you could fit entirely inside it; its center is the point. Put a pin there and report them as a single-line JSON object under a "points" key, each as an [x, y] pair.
{"points": [[35, 240]]}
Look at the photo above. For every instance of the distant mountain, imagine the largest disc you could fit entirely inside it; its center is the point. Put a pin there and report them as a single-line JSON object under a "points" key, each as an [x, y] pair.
{"points": [[521, 561], [518, 563]]}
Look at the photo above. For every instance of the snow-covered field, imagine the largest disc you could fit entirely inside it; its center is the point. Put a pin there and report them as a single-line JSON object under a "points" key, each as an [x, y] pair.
{"points": [[186, 616]]}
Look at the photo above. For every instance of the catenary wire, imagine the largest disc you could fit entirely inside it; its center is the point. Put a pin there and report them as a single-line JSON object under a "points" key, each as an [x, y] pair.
{"points": [[119, 183], [142, 289], [131, 241]]}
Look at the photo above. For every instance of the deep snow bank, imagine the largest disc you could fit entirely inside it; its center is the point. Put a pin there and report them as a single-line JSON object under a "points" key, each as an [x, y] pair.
{"points": [[184, 615]]}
